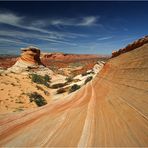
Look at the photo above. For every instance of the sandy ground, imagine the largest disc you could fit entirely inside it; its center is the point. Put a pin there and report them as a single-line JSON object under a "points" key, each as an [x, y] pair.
{"points": [[110, 111], [14, 89]]}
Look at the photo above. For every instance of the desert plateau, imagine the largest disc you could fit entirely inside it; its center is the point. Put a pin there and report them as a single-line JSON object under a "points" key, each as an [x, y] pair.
{"points": [[73, 74], [25, 77], [108, 107]]}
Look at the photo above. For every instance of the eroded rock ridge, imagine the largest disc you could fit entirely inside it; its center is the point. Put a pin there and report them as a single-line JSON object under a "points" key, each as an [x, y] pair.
{"points": [[131, 46]]}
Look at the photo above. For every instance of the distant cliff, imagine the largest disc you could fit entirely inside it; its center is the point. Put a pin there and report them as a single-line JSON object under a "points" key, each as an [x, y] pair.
{"points": [[131, 46]]}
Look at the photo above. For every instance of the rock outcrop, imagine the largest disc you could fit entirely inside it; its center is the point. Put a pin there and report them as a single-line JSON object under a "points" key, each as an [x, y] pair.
{"points": [[69, 57], [97, 67], [7, 62], [29, 59], [130, 47], [110, 111], [31, 55]]}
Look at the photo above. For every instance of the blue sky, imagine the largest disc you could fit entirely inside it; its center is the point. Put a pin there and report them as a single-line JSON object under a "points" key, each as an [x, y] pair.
{"points": [[72, 27]]}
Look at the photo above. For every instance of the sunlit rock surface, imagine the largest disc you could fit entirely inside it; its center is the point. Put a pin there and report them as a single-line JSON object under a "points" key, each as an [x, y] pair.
{"points": [[30, 58], [132, 46], [111, 110]]}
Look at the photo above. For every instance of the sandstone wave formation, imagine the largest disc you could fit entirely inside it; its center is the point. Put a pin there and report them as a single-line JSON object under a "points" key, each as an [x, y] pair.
{"points": [[30, 58], [111, 110]]}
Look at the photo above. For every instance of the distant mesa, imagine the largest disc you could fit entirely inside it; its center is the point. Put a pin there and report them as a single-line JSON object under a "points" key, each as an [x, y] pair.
{"points": [[132, 46], [58, 56]]}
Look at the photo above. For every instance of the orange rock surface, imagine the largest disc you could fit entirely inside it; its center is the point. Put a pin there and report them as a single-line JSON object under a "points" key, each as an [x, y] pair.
{"points": [[52, 59], [6, 62], [132, 46], [69, 57], [30, 55], [111, 110]]}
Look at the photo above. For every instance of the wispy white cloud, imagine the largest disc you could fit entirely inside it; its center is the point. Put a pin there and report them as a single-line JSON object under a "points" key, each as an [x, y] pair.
{"points": [[20, 36], [57, 41], [105, 38], [82, 21], [10, 18], [17, 21], [38, 25], [35, 31], [89, 21], [14, 41]]}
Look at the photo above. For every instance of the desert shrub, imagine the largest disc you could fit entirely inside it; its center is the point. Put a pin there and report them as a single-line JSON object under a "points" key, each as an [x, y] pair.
{"points": [[40, 79], [61, 90], [76, 64], [87, 73], [12, 84], [69, 79], [47, 78], [58, 85], [92, 72], [74, 88], [46, 93], [84, 74], [39, 88], [37, 98], [37, 79], [19, 101], [88, 79], [76, 80], [18, 110]]}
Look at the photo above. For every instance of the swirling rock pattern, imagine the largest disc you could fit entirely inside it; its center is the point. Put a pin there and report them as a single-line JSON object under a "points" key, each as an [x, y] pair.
{"points": [[31, 55], [111, 111], [30, 58]]}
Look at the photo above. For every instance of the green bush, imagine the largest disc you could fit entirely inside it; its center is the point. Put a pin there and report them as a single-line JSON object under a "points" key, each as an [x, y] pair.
{"points": [[76, 64], [39, 88], [88, 79], [47, 78], [61, 90], [40, 79], [37, 98], [46, 93], [74, 88], [76, 80], [69, 79], [55, 86], [87, 73], [84, 74]]}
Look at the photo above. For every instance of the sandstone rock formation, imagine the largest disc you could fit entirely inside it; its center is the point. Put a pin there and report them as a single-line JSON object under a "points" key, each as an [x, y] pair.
{"points": [[132, 46], [110, 111], [97, 67], [31, 55], [30, 58], [6, 62], [69, 57]]}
